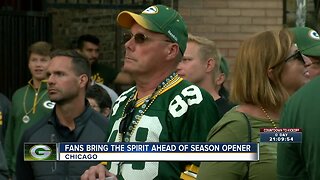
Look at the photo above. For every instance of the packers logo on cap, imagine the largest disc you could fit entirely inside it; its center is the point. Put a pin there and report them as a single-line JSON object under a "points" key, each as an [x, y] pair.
{"points": [[151, 10], [314, 35]]}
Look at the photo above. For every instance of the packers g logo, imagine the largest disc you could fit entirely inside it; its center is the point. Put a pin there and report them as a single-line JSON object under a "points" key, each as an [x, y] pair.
{"points": [[49, 104], [314, 35], [151, 10], [40, 152]]}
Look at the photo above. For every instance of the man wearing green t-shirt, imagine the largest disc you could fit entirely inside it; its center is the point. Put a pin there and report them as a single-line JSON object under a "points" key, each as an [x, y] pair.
{"points": [[88, 45], [301, 160]]}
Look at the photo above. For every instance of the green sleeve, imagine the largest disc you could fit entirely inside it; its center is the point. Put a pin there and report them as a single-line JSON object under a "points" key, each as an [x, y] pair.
{"points": [[198, 121], [289, 165], [9, 146], [200, 118]]}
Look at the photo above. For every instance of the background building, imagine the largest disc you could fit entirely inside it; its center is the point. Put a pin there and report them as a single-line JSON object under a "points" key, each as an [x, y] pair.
{"points": [[60, 22]]}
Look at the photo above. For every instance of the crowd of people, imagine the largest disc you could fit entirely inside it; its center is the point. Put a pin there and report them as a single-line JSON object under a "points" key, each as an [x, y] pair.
{"points": [[177, 94]]}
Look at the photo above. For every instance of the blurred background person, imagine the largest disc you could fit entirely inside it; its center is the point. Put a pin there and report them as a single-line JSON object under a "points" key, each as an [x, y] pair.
{"points": [[99, 99], [200, 65], [88, 45], [110, 92], [29, 103], [5, 106], [222, 77]]}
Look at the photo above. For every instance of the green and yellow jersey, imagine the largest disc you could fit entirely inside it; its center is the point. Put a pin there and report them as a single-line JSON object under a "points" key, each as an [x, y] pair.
{"points": [[182, 112]]}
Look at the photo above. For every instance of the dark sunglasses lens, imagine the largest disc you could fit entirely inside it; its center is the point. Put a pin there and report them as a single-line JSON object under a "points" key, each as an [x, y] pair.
{"points": [[139, 38], [126, 37], [300, 57]]}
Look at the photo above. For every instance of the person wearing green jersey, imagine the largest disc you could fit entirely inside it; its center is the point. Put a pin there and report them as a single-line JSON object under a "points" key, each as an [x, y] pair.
{"points": [[29, 103], [162, 107]]}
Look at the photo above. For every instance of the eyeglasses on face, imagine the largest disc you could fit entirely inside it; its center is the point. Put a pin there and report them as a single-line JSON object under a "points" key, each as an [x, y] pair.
{"points": [[297, 55], [315, 61], [139, 38]]}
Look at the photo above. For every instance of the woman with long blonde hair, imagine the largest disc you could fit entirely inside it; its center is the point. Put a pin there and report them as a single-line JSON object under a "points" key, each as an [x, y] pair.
{"points": [[268, 69]]}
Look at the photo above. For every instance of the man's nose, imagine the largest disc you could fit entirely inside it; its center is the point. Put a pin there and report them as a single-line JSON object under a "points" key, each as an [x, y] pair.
{"points": [[307, 61], [95, 54]]}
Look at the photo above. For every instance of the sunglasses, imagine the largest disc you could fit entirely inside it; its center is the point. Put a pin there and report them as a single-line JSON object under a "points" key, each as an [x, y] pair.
{"points": [[139, 38], [314, 61], [297, 55], [126, 120]]}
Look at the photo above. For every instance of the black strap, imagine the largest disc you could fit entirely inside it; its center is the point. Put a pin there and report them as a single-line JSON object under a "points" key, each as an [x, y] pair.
{"points": [[249, 127], [249, 140]]}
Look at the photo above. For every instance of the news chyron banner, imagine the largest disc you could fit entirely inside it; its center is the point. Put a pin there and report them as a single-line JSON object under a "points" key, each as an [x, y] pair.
{"points": [[197, 151], [281, 135]]}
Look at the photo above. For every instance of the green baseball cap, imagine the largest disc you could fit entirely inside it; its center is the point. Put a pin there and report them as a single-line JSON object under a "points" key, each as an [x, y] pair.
{"points": [[308, 40], [161, 19], [224, 67]]}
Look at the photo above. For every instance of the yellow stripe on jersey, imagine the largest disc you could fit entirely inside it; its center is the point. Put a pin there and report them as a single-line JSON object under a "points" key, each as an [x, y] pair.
{"points": [[173, 83]]}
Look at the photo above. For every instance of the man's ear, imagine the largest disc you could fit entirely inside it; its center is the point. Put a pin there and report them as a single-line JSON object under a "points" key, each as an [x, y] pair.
{"points": [[80, 52], [211, 63], [173, 50], [106, 111], [84, 80], [221, 78]]}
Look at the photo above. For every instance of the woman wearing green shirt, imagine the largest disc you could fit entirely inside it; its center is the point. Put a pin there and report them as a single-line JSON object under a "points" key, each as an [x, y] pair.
{"points": [[268, 69]]}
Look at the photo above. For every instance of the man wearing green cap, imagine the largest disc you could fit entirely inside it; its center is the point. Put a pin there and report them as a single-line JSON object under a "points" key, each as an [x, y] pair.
{"points": [[302, 160], [308, 41], [162, 107]]}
